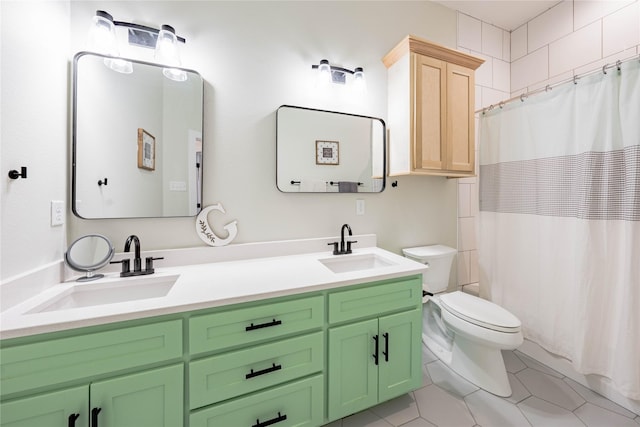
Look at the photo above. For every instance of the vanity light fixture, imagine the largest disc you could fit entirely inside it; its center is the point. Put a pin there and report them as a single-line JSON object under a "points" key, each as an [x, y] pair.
{"points": [[102, 39], [332, 73]]}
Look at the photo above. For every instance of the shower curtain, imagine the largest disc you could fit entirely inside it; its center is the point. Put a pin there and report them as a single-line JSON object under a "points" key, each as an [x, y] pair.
{"points": [[559, 222]]}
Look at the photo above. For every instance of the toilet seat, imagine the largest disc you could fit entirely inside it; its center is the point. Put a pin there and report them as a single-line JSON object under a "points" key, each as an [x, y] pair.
{"points": [[480, 312]]}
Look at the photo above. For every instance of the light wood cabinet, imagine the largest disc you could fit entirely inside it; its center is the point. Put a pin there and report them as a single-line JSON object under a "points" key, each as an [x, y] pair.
{"points": [[430, 112]]}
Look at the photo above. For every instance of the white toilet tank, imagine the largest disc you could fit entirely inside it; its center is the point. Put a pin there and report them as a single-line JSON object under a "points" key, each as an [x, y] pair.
{"points": [[439, 259]]}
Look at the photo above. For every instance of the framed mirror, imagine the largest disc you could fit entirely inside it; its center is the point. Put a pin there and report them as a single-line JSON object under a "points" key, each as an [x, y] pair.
{"points": [[322, 151], [137, 141], [88, 254]]}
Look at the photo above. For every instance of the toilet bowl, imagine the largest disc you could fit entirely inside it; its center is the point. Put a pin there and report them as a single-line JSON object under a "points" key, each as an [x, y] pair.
{"points": [[466, 332]]}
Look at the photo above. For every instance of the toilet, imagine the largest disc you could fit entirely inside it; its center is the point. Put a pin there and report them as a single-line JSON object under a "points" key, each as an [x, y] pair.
{"points": [[466, 332]]}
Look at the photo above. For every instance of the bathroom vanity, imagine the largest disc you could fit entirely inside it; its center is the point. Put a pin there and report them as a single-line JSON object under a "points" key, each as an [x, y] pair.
{"points": [[298, 339]]}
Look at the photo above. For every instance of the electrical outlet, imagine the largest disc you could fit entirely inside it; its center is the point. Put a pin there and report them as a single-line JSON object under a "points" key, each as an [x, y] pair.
{"points": [[359, 207], [57, 213]]}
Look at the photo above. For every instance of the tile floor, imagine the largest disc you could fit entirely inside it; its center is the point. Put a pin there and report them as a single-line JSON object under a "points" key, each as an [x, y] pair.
{"points": [[541, 397]]}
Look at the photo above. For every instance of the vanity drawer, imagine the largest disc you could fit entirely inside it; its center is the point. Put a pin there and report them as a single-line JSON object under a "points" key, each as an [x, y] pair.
{"points": [[375, 299], [56, 361], [297, 404], [241, 326], [232, 374]]}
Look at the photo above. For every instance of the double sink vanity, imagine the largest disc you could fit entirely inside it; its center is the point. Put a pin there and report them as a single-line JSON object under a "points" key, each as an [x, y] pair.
{"points": [[279, 333]]}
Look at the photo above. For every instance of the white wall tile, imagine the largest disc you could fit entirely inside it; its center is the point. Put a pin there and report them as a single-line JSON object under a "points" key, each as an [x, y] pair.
{"points": [[469, 32], [551, 25], [474, 198], [467, 234], [578, 48], [501, 75], [463, 268], [473, 266], [492, 40], [620, 30], [506, 46], [530, 69], [519, 43], [493, 97], [464, 199], [586, 12], [484, 74]]}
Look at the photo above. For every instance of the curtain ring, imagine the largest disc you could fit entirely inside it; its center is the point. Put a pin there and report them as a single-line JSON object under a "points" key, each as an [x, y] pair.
{"points": [[618, 63], [575, 79], [523, 97], [547, 88], [501, 105], [604, 69]]}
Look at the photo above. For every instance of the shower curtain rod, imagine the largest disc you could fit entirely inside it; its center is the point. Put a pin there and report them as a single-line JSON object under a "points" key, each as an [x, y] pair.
{"points": [[547, 88]]}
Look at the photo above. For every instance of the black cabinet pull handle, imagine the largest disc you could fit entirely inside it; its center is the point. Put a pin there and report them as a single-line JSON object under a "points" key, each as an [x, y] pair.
{"points": [[72, 420], [386, 346], [264, 371], [94, 416], [375, 355], [253, 327], [270, 422]]}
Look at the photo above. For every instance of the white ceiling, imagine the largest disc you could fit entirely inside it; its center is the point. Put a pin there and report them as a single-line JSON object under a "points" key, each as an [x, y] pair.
{"points": [[506, 14]]}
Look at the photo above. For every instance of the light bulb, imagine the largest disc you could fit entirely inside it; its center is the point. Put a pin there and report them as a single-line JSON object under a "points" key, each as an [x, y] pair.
{"points": [[167, 47], [359, 81], [102, 34], [324, 72]]}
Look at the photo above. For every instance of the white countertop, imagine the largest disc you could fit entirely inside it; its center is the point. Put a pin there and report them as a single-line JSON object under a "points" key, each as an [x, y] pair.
{"points": [[200, 286]]}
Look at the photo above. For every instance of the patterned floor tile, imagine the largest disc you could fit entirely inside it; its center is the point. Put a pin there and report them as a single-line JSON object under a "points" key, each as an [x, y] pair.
{"points": [[419, 422], [595, 416], [534, 364], [518, 391], [490, 410], [541, 413], [398, 411], [426, 378], [601, 401], [512, 362], [442, 408], [448, 380], [364, 419], [550, 388]]}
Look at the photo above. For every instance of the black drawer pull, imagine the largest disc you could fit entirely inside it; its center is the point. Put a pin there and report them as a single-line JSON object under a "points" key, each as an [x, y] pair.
{"points": [[264, 371], [72, 420], [386, 347], [274, 322], [375, 355], [270, 422], [94, 416]]}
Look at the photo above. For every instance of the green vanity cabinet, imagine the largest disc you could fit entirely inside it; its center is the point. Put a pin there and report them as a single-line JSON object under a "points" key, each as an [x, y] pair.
{"points": [[46, 380], [63, 408], [377, 358]]}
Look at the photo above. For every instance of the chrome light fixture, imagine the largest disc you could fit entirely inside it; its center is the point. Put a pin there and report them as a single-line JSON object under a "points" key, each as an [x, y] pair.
{"points": [[102, 39], [331, 73]]}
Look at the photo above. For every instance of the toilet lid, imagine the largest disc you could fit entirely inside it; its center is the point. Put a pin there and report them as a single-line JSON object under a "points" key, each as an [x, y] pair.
{"points": [[480, 312]]}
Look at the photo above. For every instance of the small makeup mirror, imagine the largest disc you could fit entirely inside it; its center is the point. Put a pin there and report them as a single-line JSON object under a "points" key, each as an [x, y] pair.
{"points": [[89, 253]]}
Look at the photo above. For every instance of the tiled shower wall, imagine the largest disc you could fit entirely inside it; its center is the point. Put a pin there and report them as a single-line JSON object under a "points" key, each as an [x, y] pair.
{"points": [[573, 37]]}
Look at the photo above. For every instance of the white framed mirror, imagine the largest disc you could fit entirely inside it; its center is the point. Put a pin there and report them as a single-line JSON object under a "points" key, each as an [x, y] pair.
{"points": [[322, 151], [137, 141]]}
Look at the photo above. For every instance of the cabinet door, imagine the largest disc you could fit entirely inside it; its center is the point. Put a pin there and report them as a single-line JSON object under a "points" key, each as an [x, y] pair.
{"points": [[429, 120], [149, 399], [460, 119], [58, 409], [400, 368], [353, 373]]}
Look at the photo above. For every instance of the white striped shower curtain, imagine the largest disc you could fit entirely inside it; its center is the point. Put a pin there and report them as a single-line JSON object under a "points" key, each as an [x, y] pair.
{"points": [[559, 222]]}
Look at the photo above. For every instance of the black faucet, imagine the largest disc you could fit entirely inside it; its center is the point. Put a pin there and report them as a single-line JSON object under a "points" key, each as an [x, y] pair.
{"points": [[137, 261], [345, 247]]}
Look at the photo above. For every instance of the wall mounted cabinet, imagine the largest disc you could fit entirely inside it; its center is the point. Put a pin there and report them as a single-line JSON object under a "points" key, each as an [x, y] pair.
{"points": [[431, 96]]}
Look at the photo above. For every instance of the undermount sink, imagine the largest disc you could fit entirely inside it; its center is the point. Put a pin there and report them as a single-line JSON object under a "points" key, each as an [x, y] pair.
{"points": [[348, 263], [109, 292]]}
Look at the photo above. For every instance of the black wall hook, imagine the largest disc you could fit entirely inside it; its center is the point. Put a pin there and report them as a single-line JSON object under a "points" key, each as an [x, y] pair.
{"points": [[101, 182], [394, 184], [14, 174]]}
